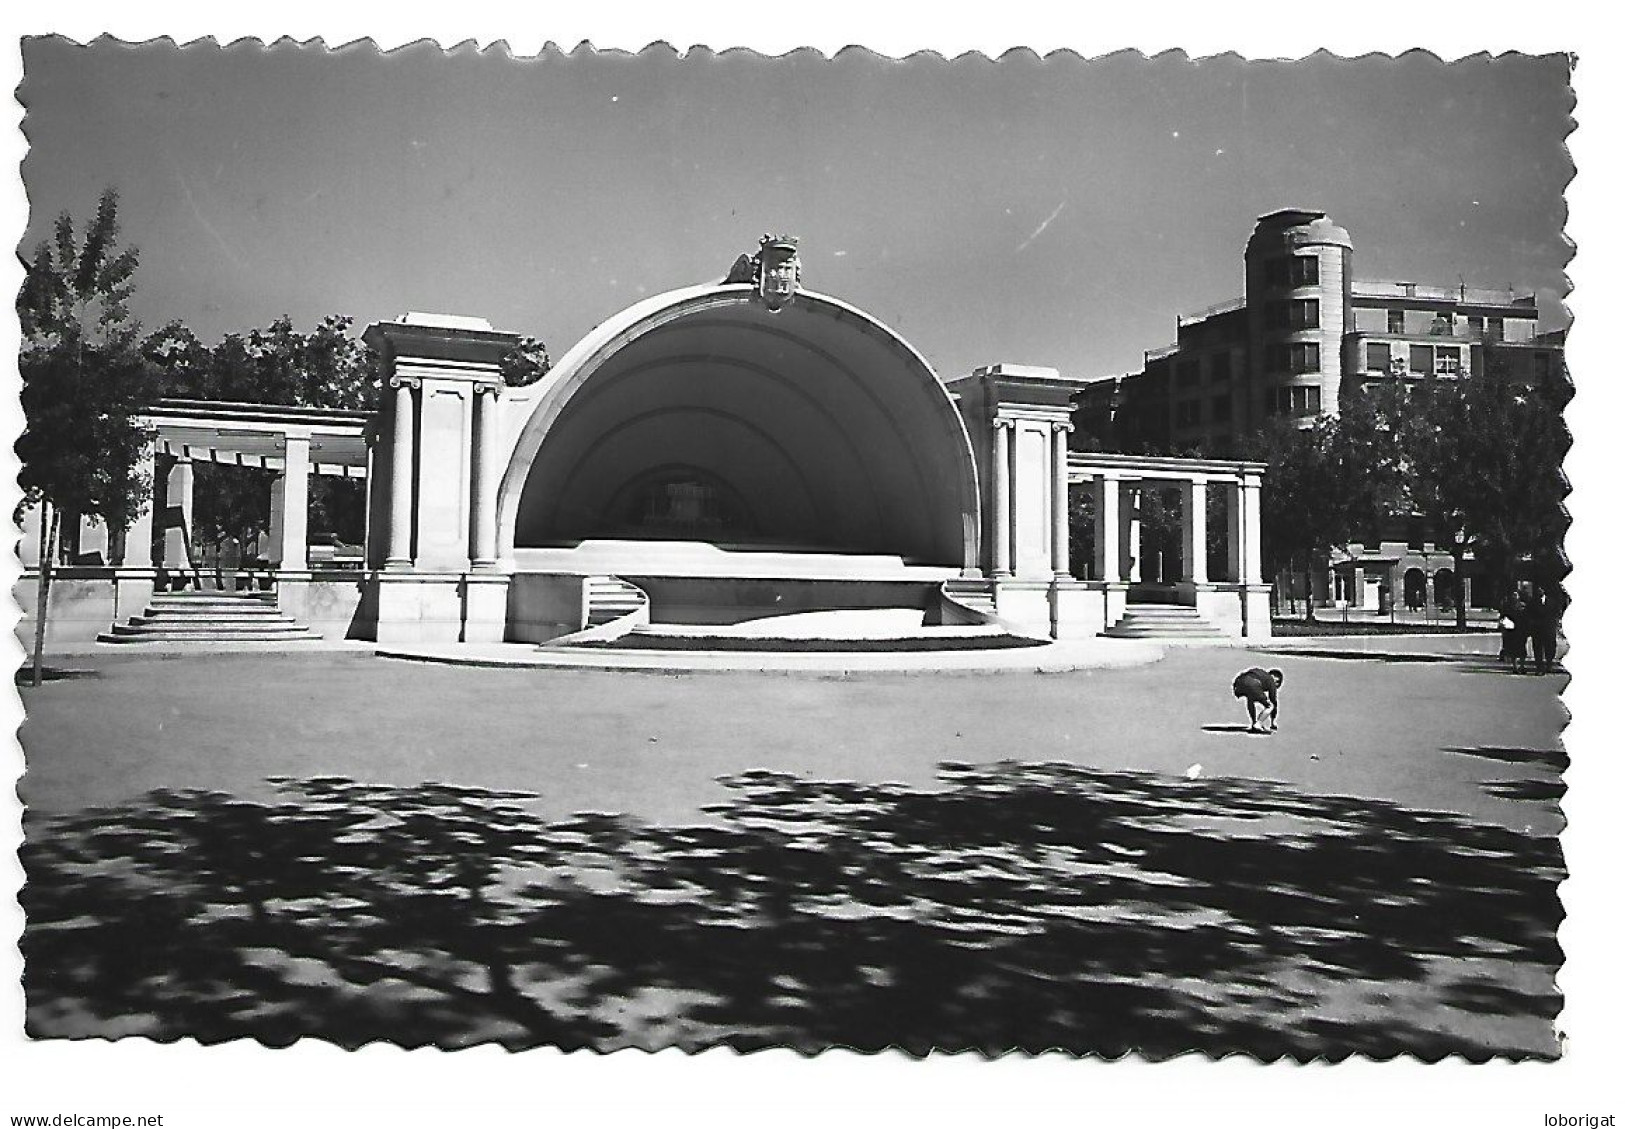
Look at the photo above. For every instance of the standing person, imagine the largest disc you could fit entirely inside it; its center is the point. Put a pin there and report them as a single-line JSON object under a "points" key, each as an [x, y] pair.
{"points": [[1524, 627], [1542, 630], [1511, 616]]}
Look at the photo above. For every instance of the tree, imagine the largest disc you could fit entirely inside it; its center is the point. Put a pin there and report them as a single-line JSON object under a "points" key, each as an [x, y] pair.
{"points": [[1484, 468], [525, 363], [84, 379], [1327, 485]]}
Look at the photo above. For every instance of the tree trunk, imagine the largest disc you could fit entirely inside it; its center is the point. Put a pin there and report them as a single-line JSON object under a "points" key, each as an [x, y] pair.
{"points": [[1309, 588], [47, 551]]}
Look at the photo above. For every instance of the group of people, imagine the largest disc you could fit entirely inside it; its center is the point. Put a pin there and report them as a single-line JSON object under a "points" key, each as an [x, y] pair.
{"points": [[1529, 618]]}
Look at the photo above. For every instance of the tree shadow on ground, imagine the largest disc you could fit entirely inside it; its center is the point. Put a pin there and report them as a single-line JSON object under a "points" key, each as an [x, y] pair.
{"points": [[1553, 760], [25, 674], [1022, 907]]}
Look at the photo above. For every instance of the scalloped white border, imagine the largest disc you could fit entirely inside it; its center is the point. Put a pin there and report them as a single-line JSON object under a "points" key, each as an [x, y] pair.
{"points": [[319, 1085]]}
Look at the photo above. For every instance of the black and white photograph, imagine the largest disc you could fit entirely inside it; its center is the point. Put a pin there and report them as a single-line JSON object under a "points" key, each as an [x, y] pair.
{"points": [[1044, 556]]}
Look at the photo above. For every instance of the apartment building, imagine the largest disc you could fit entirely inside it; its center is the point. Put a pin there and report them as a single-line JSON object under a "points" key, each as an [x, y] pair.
{"points": [[1304, 333]]}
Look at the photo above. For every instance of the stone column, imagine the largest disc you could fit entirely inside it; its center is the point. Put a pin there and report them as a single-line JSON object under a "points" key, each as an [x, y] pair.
{"points": [[1252, 531], [1001, 496], [1060, 535], [178, 514], [1232, 532], [1193, 496], [402, 437], [1108, 504], [295, 525], [366, 510], [1129, 548], [273, 531], [483, 553]]}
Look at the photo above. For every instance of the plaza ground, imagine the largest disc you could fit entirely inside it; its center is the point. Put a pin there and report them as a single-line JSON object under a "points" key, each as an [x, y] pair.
{"points": [[1378, 877], [1396, 726]]}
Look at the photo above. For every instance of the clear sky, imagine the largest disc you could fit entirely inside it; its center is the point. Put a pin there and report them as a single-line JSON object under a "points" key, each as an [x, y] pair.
{"points": [[1057, 212]]}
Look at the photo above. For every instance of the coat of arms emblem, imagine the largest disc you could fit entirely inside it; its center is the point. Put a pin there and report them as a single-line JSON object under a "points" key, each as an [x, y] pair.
{"points": [[778, 270]]}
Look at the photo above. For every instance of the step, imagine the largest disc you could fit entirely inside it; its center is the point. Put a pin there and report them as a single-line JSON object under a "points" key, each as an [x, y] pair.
{"points": [[211, 605], [206, 637], [222, 629], [1161, 624], [1202, 632], [191, 622], [241, 607], [200, 613], [212, 594]]}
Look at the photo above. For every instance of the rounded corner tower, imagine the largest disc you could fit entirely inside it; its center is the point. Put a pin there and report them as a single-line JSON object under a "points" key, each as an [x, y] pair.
{"points": [[1299, 279]]}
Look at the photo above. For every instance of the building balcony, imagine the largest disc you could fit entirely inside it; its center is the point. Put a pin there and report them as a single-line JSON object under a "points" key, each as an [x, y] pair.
{"points": [[1457, 295]]}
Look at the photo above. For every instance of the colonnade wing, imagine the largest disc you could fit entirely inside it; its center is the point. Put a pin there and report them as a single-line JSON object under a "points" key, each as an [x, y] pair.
{"points": [[1117, 483], [292, 443]]}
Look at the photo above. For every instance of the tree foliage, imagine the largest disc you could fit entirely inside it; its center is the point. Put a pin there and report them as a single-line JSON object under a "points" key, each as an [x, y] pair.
{"points": [[1483, 461], [326, 368], [525, 363], [1479, 461], [1328, 484], [83, 377]]}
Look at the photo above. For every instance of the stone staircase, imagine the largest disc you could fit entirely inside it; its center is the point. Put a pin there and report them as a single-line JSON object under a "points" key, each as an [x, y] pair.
{"points": [[210, 617], [976, 595], [608, 598], [1162, 621]]}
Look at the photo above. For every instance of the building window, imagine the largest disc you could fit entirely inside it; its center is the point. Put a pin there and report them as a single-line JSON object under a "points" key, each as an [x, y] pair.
{"points": [[1421, 358], [1305, 357], [1276, 358], [1444, 324], [1219, 368], [1496, 329], [1447, 359], [1475, 326], [1396, 321], [1306, 314], [1305, 270], [1185, 374], [1221, 408], [1187, 413], [1276, 272], [1298, 402], [1378, 356]]}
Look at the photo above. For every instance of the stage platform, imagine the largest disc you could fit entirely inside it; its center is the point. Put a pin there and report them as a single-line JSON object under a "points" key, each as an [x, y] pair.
{"points": [[730, 562]]}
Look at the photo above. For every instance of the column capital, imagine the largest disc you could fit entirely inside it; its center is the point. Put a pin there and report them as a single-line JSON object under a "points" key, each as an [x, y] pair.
{"points": [[398, 381], [1058, 426], [494, 387]]}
